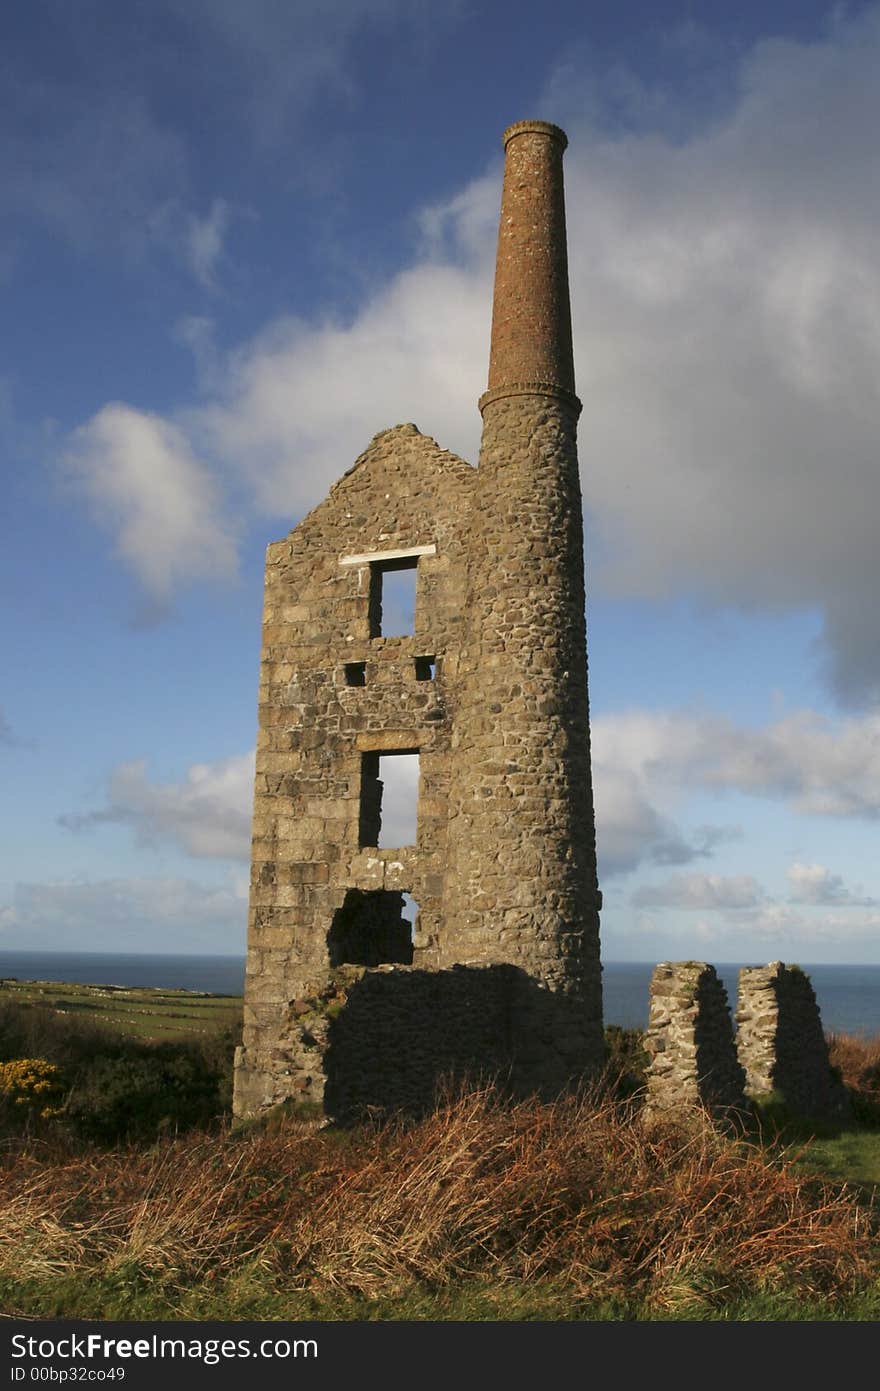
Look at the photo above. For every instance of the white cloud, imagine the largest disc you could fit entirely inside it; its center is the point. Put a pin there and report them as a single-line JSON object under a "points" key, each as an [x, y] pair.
{"points": [[726, 291], [644, 764], [144, 482], [207, 815], [205, 241], [302, 401], [727, 308], [701, 891], [139, 915], [819, 767], [630, 826], [815, 884]]}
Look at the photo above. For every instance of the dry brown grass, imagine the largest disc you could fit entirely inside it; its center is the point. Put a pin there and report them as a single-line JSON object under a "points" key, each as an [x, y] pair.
{"points": [[859, 1062], [575, 1193]]}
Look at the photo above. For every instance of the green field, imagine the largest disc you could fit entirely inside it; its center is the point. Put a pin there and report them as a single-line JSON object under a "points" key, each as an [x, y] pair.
{"points": [[143, 1013]]}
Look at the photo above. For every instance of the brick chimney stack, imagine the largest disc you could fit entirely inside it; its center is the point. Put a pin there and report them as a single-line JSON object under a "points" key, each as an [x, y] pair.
{"points": [[531, 315]]}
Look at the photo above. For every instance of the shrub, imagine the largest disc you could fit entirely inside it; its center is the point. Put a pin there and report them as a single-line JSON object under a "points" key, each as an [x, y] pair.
{"points": [[857, 1060], [30, 1089], [626, 1061], [141, 1091], [120, 1088]]}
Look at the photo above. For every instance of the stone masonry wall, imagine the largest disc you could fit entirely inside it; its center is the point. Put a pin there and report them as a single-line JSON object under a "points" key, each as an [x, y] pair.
{"points": [[364, 1041], [521, 869], [690, 1042], [781, 1044], [404, 492]]}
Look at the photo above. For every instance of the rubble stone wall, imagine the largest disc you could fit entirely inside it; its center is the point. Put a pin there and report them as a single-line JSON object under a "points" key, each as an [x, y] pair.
{"points": [[690, 1041], [781, 1044]]}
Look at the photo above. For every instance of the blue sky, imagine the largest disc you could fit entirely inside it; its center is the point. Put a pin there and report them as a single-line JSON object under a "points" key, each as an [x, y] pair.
{"points": [[238, 240]]}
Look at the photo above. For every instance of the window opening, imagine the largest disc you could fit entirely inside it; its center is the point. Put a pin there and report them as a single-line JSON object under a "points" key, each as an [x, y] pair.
{"points": [[426, 668], [411, 915], [389, 798], [372, 928], [393, 597], [355, 673]]}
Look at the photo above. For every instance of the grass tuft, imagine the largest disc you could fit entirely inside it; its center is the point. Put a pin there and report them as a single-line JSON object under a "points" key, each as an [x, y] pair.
{"points": [[577, 1199]]}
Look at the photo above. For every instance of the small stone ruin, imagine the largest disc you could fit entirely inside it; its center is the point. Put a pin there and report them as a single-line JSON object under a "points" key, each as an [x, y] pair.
{"points": [[781, 1043], [778, 1047], [690, 1042]]}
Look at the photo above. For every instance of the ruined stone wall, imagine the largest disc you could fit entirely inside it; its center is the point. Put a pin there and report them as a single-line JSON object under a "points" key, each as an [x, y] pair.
{"points": [[395, 1038], [690, 1042], [781, 1044], [314, 728]]}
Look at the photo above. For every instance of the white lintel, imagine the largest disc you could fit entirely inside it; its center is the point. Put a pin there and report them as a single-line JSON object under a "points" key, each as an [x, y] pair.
{"points": [[371, 557]]}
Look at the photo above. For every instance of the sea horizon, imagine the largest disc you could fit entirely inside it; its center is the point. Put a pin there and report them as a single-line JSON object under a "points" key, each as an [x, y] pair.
{"points": [[848, 994]]}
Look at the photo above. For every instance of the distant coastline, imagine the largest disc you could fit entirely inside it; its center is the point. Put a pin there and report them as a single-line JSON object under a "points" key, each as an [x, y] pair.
{"points": [[849, 996]]}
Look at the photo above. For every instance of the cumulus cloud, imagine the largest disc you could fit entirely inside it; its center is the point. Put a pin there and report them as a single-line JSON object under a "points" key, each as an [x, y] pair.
{"points": [[207, 815], [726, 290], [414, 353], [818, 766], [143, 481], [727, 298], [632, 829], [171, 915], [815, 884], [644, 765], [701, 891]]}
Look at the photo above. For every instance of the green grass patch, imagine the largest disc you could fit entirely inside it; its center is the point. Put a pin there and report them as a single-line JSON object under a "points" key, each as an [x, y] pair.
{"points": [[851, 1157], [142, 1013]]}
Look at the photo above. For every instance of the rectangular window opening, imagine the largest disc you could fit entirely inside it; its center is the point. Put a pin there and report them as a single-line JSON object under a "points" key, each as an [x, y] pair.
{"points": [[393, 597], [426, 668], [389, 798], [355, 673]]}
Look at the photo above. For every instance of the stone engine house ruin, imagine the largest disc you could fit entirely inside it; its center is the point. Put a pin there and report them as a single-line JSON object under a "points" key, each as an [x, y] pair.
{"points": [[485, 700]]}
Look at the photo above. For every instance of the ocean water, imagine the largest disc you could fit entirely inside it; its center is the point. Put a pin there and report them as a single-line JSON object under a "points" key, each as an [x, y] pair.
{"points": [[220, 975], [848, 996]]}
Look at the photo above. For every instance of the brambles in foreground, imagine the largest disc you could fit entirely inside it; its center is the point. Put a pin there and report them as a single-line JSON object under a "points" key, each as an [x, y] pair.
{"points": [[574, 1203]]}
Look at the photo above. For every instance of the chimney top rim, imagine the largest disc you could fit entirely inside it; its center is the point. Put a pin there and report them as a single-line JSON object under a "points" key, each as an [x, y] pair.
{"points": [[535, 128]]}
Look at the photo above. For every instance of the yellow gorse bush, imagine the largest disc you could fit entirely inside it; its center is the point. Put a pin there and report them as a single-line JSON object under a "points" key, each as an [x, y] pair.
{"points": [[33, 1085]]}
